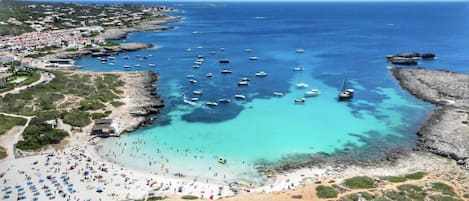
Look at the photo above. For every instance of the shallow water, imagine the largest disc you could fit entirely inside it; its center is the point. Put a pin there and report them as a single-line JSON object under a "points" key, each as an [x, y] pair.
{"points": [[340, 40]]}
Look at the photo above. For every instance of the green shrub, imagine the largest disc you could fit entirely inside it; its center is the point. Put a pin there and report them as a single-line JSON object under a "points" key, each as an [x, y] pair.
{"points": [[413, 191], [326, 192], [98, 115], [416, 175], [359, 182], [117, 103], [443, 188], [396, 196], [109, 44], [466, 195], [356, 196], [189, 197], [77, 118], [3, 153], [443, 198], [397, 179], [38, 134], [8, 123]]}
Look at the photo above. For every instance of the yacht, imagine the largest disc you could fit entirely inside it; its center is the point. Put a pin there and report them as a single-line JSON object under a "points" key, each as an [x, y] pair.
{"points": [[253, 58], [151, 65], [112, 64], [226, 71], [212, 52], [245, 79], [299, 50], [200, 56], [197, 63], [127, 66], [197, 92], [224, 100], [224, 61], [190, 76], [243, 83], [137, 65], [211, 104], [346, 95], [248, 50], [194, 99], [113, 58], [126, 57], [312, 93], [195, 32], [195, 66], [193, 81], [278, 94], [298, 68], [188, 49], [301, 85], [200, 60], [261, 74], [299, 101], [239, 96], [209, 74]]}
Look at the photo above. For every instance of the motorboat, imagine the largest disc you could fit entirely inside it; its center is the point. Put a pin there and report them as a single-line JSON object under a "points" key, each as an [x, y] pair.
{"points": [[298, 68], [243, 83], [151, 65], [224, 61], [195, 32], [209, 74], [299, 100], [200, 56], [112, 63], [188, 49], [200, 60], [299, 50], [346, 95], [194, 99], [195, 66], [197, 92], [226, 71], [245, 79], [112, 58], [302, 85], [261, 74], [212, 52], [312, 93], [224, 100], [190, 76], [200, 47], [193, 81], [212, 104], [127, 66], [253, 58], [240, 97], [278, 94], [197, 63], [137, 65], [248, 50], [125, 57]]}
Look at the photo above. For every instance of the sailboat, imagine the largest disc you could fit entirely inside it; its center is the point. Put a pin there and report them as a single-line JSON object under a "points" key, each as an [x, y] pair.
{"points": [[345, 93]]}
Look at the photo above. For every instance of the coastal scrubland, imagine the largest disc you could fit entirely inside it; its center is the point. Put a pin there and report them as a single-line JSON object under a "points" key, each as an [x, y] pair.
{"points": [[76, 98], [27, 76], [9, 122]]}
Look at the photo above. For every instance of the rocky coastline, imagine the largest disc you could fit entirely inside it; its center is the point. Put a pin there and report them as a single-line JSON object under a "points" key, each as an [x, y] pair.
{"points": [[103, 51], [446, 131], [152, 25]]}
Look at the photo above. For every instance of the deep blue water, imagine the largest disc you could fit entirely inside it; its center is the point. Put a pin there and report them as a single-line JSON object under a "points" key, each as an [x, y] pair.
{"points": [[340, 40]]}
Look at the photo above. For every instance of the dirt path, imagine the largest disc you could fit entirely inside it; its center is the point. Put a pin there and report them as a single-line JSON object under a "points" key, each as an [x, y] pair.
{"points": [[10, 138]]}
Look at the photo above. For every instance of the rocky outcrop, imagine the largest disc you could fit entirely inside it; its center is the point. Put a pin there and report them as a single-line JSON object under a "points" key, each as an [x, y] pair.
{"points": [[447, 131], [408, 58], [104, 51], [153, 25]]}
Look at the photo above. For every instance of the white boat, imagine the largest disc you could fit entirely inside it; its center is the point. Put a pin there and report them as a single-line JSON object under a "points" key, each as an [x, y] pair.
{"points": [[239, 96], [245, 79], [212, 52], [188, 49], [195, 32], [226, 71], [346, 94], [141, 59], [150, 55], [298, 68], [195, 66], [299, 50], [137, 65], [193, 81], [209, 74], [112, 64], [194, 99], [224, 100], [312, 93], [190, 76], [261, 74], [243, 83], [103, 62], [151, 65], [248, 50], [113, 58], [127, 66], [253, 58], [200, 47], [299, 101], [200, 56], [211, 103], [278, 94], [197, 92], [197, 63], [302, 85]]}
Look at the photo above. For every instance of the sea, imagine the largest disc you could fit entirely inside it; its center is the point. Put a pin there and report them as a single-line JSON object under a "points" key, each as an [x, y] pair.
{"points": [[345, 46]]}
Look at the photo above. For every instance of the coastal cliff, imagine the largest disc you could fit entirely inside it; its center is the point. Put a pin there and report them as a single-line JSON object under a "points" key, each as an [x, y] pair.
{"points": [[446, 132]]}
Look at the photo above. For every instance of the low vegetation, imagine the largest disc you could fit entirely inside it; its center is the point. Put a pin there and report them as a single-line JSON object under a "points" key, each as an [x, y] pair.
{"points": [[359, 182], [358, 196], [397, 179], [416, 175], [326, 192], [443, 188], [39, 134], [8, 122], [189, 197], [153, 198], [3, 153], [109, 44], [29, 76], [77, 118]]}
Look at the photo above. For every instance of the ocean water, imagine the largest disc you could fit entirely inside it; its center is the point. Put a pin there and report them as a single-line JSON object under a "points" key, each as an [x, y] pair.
{"points": [[341, 40]]}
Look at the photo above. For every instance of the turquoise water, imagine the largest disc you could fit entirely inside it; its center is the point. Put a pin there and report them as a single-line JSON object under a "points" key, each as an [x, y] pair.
{"points": [[340, 40]]}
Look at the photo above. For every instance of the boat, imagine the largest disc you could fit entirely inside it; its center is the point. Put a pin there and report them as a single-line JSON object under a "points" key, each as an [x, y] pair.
{"points": [[197, 63], [211, 104], [299, 100], [221, 160], [151, 65], [278, 94], [137, 65], [212, 52], [253, 58], [209, 74], [194, 99], [125, 57], [150, 55], [302, 85], [200, 56], [127, 66], [195, 32], [312, 93], [112, 63], [113, 58], [248, 50], [200, 47], [224, 61], [299, 50], [240, 97], [345, 93], [103, 62], [261, 74], [224, 100], [243, 83], [226, 71], [190, 76], [195, 66], [188, 49], [298, 68], [197, 92], [200, 60], [193, 81], [245, 79]]}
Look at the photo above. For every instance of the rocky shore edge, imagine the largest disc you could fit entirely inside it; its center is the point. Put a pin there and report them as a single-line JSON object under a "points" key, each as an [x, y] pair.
{"points": [[103, 51], [446, 131], [152, 25]]}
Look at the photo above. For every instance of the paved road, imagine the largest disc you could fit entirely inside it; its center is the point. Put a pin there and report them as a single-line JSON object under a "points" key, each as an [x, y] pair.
{"points": [[45, 77]]}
